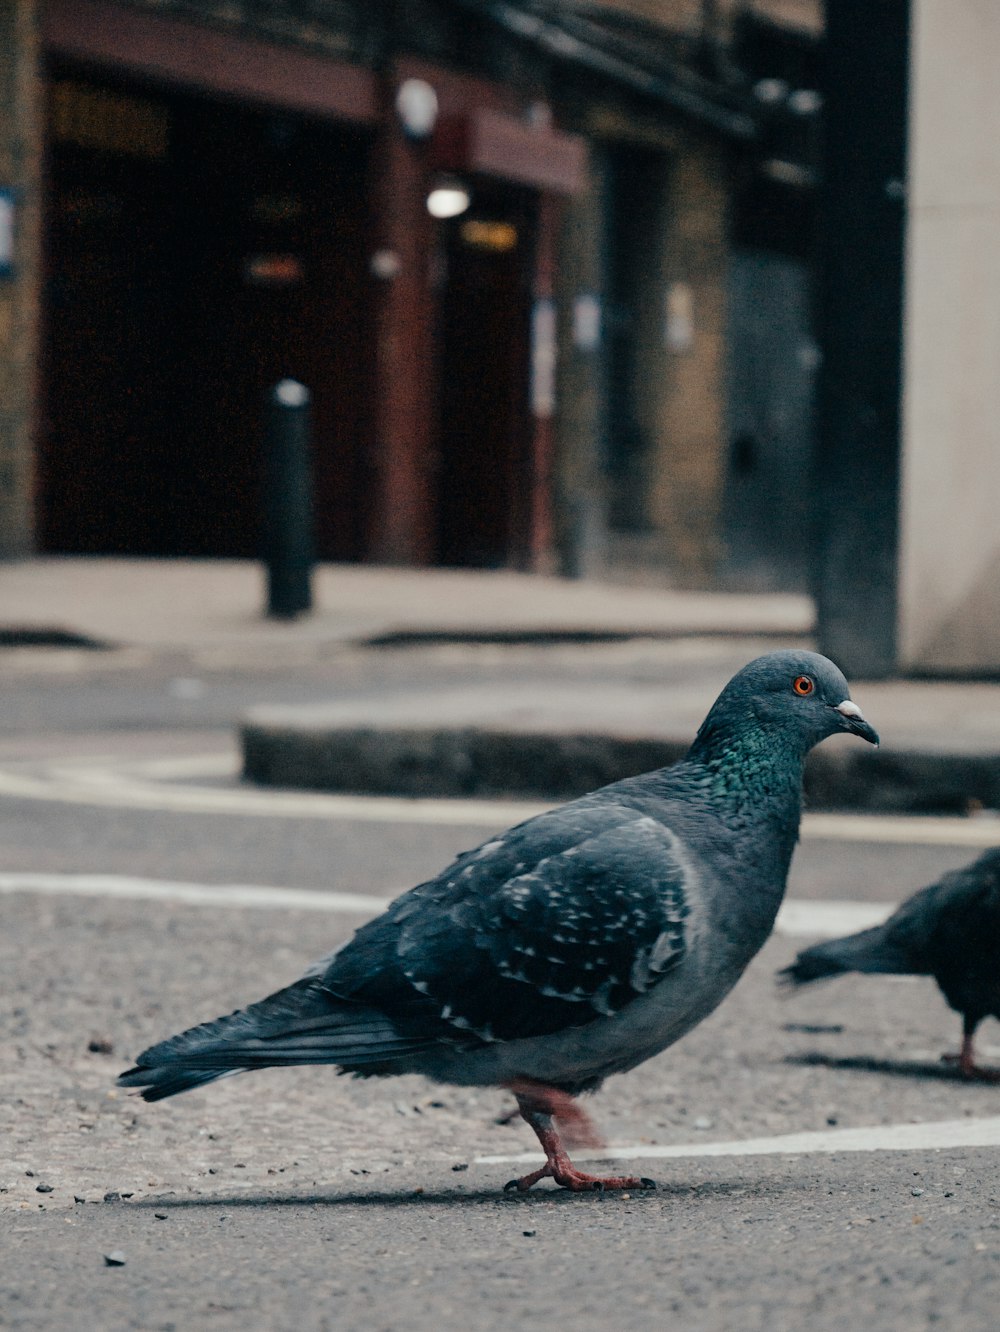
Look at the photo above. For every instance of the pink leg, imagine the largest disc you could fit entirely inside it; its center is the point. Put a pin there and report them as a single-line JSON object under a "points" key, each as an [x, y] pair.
{"points": [[539, 1105], [575, 1125], [966, 1061]]}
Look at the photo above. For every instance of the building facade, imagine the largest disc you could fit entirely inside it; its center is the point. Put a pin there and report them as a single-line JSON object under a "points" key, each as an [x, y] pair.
{"points": [[206, 198]]}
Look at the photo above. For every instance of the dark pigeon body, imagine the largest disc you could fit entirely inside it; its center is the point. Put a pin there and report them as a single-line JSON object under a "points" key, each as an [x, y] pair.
{"points": [[578, 943], [949, 930]]}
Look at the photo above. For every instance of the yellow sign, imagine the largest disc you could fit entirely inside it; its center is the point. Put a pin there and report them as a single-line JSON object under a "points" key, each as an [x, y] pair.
{"points": [[498, 236]]}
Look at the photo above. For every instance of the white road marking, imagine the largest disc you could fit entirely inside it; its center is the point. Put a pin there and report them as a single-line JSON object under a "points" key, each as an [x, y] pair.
{"points": [[904, 829], [800, 919], [796, 919], [114, 788], [170, 784], [924, 1137], [126, 888]]}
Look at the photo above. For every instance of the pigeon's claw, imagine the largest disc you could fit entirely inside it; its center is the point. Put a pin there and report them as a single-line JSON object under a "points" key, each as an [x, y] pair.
{"points": [[566, 1175], [539, 1106]]}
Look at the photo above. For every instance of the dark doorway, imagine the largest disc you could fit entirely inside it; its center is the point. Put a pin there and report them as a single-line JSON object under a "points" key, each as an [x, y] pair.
{"points": [[634, 222], [195, 254], [483, 353], [772, 361]]}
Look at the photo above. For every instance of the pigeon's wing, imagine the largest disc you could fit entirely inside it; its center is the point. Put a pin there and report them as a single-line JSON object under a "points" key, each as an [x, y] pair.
{"points": [[945, 917], [963, 945], [564, 919]]}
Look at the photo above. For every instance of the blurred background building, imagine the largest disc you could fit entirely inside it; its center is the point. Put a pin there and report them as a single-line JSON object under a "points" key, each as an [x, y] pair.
{"points": [[550, 271], [602, 363]]}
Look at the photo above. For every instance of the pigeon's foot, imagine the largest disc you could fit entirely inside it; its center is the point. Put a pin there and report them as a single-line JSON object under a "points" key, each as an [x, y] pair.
{"points": [[539, 1105], [967, 1066], [566, 1175], [971, 1070]]}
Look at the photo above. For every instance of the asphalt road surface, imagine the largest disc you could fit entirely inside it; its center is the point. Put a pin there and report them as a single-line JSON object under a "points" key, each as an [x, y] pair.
{"points": [[141, 889]]}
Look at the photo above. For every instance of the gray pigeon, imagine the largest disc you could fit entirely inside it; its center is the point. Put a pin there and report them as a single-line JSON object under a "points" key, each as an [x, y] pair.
{"points": [[950, 931], [573, 946]]}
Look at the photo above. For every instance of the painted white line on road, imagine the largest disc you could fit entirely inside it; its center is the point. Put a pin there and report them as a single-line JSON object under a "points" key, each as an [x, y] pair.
{"points": [[800, 919], [126, 888], [877, 1138], [158, 784], [108, 788], [904, 829], [796, 919]]}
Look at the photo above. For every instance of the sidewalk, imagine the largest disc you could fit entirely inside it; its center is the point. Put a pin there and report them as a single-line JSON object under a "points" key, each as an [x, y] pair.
{"points": [[550, 735], [214, 605]]}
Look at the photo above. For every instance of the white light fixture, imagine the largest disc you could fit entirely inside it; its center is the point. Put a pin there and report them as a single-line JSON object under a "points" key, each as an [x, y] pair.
{"points": [[805, 101], [448, 198], [417, 108], [770, 91]]}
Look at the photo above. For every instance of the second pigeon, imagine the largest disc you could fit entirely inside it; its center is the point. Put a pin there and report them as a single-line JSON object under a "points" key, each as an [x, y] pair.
{"points": [[950, 930]]}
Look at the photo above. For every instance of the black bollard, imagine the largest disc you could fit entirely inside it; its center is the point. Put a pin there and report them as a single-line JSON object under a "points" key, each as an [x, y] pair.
{"points": [[288, 510]]}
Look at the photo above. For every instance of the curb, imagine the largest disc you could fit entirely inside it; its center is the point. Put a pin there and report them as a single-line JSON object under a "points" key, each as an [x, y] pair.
{"points": [[470, 761]]}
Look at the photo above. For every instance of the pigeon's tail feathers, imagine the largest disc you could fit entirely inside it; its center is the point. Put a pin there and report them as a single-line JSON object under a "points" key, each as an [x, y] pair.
{"points": [[159, 1083], [873, 952], [303, 1024]]}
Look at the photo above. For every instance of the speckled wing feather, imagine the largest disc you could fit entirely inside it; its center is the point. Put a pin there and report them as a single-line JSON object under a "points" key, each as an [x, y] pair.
{"points": [[564, 919]]}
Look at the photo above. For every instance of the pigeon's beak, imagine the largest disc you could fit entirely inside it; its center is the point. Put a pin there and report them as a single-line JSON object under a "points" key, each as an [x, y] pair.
{"points": [[853, 720]]}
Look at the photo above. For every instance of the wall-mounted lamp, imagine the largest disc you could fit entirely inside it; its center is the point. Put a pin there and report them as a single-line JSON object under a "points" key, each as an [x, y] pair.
{"points": [[448, 198], [417, 108]]}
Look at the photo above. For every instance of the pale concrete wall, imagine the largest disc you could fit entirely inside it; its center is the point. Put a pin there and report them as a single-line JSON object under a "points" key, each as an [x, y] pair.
{"points": [[949, 572]]}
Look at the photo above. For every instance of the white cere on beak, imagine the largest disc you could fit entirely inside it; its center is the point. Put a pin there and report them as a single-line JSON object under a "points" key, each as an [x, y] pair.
{"points": [[849, 709]]}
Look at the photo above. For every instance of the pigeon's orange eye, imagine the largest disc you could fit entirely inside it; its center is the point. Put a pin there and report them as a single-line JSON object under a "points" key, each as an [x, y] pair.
{"points": [[803, 685]]}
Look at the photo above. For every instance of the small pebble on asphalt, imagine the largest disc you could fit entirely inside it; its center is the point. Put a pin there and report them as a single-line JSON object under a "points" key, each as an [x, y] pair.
{"points": [[115, 1258], [43, 1188]]}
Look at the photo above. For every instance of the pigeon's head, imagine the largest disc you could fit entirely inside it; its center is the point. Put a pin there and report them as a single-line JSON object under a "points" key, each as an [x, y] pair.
{"points": [[800, 694]]}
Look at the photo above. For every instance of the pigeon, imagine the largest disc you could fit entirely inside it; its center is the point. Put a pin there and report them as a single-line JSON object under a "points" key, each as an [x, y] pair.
{"points": [[573, 946], [949, 930]]}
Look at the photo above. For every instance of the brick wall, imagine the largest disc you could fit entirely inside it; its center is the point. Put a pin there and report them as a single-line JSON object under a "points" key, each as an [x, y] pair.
{"points": [[680, 383], [19, 157], [687, 16], [688, 474]]}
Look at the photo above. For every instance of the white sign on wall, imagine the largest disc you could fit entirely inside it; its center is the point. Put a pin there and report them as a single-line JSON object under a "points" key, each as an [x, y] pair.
{"points": [[679, 329], [543, 357], [6, 232]]}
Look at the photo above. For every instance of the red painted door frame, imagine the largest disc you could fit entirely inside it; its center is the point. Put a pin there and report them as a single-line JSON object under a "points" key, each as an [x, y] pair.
{"points": [[492, 137]]}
